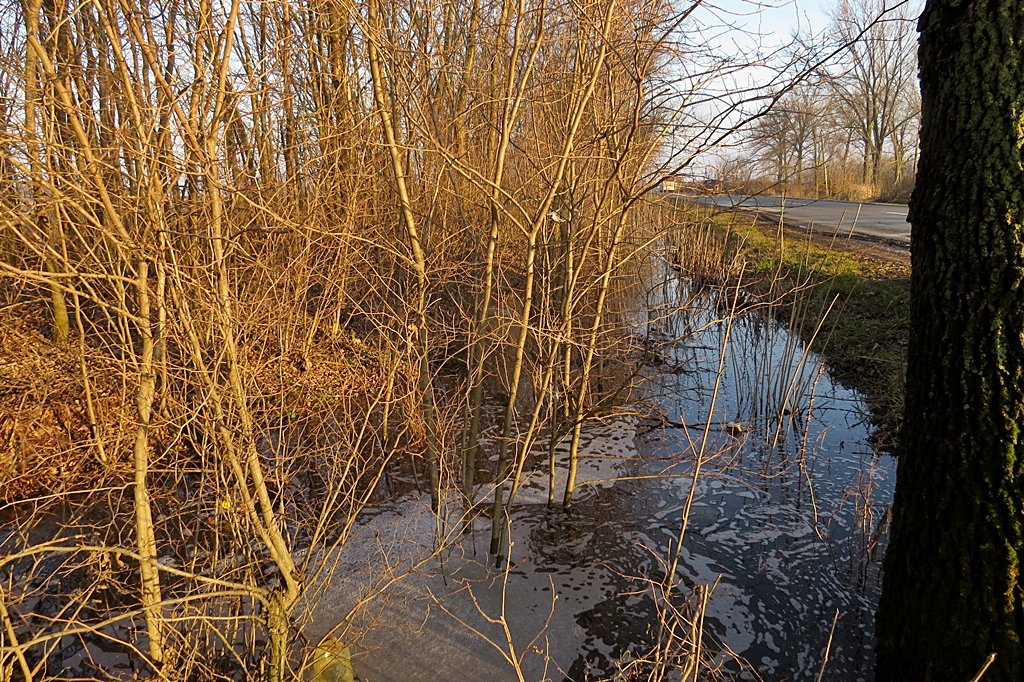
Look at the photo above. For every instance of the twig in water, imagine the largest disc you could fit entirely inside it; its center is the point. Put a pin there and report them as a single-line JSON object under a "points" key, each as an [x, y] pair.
{"points": [[984, 667], [828, 647]]}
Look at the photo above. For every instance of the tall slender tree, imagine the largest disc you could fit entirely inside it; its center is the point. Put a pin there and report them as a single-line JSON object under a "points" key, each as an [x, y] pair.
{"points": [[953, 593]]}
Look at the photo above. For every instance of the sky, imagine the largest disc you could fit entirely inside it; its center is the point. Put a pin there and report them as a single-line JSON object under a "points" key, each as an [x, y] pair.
{"points": [[745, 29], [751, 58], [776, 20]]}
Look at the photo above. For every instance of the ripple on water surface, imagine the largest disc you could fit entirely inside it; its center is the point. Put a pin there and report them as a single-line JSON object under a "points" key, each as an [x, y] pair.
{"points": [[787, 522]]}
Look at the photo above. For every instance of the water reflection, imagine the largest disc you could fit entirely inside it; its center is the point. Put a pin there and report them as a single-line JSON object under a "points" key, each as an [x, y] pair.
{"points": [[787, 524], [791, 504]]}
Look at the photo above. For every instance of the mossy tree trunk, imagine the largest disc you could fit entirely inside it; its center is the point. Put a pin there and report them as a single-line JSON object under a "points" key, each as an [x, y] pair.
{"points": [[952, 592]]}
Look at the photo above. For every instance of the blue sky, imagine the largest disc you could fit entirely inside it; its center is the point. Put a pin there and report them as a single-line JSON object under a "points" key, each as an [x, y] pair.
{"points": [[752, 33], [774, 20]]}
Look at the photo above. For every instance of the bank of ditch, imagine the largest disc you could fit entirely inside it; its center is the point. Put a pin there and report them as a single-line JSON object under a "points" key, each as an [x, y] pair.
{"points": [[847, 297]]}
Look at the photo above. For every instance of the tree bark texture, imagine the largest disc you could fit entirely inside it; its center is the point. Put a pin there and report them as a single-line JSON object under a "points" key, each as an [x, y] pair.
{"points": [[952, 590]]}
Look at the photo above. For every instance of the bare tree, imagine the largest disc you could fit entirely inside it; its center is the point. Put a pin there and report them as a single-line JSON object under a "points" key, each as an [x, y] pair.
{"points": [[875, 80]]}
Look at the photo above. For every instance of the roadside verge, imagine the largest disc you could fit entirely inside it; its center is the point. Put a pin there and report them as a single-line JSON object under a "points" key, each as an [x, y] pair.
{"points": [[859, 287]]}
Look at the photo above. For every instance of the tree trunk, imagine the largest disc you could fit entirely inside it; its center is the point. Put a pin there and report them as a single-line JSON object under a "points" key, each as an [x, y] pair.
{"points": [[500, 138], [145, 535], [61, 327], [952, 592], [398, 166]]}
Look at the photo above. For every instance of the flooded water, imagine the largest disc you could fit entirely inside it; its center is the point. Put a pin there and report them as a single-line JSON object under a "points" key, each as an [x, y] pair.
{"points": [[791, 505], [787, 523]]}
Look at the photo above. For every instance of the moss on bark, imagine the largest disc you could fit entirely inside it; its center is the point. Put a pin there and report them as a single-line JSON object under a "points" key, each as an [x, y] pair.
{"points": [[952, 591]]}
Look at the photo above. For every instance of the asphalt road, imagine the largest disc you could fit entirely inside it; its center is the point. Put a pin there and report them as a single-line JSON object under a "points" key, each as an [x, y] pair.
{"points": [[884, 221]]}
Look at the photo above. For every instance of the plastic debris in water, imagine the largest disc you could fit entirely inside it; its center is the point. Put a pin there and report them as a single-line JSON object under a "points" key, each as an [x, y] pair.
{"points": [[332, 662]]}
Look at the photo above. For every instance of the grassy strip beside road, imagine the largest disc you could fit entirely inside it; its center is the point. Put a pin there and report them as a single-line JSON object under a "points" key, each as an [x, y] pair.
{"points": [[860, 288]]}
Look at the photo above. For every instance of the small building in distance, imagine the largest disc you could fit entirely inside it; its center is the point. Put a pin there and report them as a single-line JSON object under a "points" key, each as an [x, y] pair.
{"points": [[673, 183]]}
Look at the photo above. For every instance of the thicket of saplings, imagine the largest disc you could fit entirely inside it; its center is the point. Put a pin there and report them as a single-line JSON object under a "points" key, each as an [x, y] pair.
{"points": [[263, 264]]}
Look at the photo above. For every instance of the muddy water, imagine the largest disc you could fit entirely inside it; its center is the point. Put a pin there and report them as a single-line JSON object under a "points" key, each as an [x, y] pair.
{"points": [[787, 522]]}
